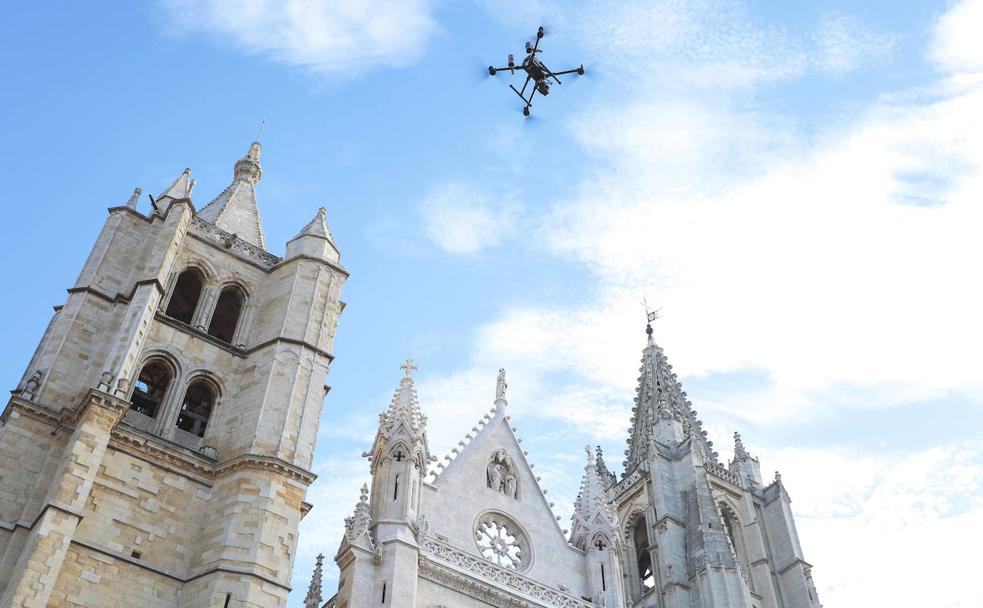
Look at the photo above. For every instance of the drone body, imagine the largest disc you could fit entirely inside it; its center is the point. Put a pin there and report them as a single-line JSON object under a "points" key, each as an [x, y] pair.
{"points": [[536, 71]]}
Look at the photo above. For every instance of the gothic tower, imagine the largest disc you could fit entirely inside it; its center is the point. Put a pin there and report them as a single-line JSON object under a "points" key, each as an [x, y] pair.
{"points": [[699, 533], [157, 451]]}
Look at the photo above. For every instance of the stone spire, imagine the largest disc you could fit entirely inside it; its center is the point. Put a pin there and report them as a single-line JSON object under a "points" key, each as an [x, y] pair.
{"points": [[235, 209], [357, 525], [592, 510], [607, 477], [317, 226], [403, 420], [314, 599], [134, 198], [405, 407], [181, 188], [660, 396]]}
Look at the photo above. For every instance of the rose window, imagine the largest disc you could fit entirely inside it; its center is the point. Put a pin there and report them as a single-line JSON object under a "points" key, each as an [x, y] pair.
{"points": [[501, 542]]}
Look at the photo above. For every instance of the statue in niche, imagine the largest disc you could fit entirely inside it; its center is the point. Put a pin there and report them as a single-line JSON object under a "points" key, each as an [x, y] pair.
{"points": [[501, 474]]}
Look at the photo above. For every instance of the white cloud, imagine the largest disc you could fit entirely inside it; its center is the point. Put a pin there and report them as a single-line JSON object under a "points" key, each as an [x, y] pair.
{"points": [[337, 36], [957, 45], [837, 260], [845, 44], [463, 218], [879, 527]]}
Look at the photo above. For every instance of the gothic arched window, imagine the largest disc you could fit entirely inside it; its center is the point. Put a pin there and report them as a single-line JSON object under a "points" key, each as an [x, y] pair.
{"points": [[641, 537], [197, 407], [226, 315], [185, 296], [150, 387]]}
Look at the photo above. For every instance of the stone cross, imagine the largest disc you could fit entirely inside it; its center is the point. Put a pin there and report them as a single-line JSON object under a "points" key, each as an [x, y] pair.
{"points": [[409, 367]]}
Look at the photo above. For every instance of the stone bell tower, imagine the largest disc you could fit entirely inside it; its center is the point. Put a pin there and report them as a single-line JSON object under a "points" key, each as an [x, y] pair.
{"points": [[157, 450]]}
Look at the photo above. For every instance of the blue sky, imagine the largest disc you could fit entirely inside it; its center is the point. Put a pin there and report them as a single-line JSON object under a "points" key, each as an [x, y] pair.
{"points": [[798, 186]]}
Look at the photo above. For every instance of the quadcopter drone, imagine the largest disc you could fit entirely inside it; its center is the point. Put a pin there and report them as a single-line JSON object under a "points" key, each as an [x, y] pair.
{"points": [[535, 70]]}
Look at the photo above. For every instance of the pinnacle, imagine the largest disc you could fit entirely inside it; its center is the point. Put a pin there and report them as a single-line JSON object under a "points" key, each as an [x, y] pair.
{"points": [[739, 452], [317, 226], [181, 188], [235, 209]]}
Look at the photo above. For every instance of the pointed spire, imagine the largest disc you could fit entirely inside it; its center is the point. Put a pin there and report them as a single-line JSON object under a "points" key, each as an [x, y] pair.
{"points": [[358, 523], [592, 510], [405, 406], [134, 198], [607, 477], [739, 452], [314, 598], [317, 226], [181, 188], [235, 209], [660, 396]]}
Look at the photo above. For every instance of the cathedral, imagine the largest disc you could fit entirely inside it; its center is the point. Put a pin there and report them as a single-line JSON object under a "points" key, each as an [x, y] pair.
{"points": [[679, 529], [157, 453]]}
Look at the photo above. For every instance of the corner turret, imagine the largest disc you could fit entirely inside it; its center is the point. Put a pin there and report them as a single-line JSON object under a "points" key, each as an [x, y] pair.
{"points": [[314, 240]]}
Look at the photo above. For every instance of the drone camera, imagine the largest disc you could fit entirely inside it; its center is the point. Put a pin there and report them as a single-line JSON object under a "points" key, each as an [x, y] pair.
{"points": [[543, 87]]}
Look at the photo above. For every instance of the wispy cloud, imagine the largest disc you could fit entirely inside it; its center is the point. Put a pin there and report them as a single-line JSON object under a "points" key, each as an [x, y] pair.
{"points": [[464, 218], [845, 44], [853, 505], [333, 36]]}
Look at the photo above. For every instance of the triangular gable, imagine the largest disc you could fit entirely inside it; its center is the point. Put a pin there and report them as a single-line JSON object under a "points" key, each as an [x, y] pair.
{"points": [[460, 496]]}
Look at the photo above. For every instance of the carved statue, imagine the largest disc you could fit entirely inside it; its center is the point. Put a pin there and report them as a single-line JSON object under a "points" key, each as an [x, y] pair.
{"points": [[510, 485], [502, 385], [495, 472], [31, 386], [421, 527], [501, 474]]}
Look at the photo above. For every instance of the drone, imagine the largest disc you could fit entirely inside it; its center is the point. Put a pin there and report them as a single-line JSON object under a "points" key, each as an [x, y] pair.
{"points": [[535, 70]]}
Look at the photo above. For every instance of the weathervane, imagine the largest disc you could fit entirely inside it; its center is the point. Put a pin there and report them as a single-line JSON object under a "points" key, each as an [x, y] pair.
{"points": [[651, 315]]}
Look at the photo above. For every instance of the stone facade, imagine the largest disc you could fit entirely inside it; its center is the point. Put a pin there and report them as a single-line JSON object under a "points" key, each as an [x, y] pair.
{"points": [[157, 451], [678, 529]]}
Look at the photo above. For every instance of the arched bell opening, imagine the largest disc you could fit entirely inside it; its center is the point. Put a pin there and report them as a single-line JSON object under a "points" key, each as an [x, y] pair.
{"points": [[185, 295]]}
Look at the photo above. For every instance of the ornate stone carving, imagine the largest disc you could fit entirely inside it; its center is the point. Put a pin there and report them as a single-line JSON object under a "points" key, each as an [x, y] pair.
{"points": [[502, 385], [485, 581], [358, 524], [501, 475]]}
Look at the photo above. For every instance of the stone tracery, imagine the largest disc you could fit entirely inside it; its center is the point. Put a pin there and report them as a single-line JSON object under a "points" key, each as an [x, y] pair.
{"points": [[501, 542]]}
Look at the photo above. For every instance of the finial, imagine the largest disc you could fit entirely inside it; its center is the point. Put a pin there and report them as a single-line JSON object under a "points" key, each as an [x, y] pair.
{"points": [[590, 455], [132, 203], [365, 493], [501, 385], [408, 368], [739, 452], [262, 126]]}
